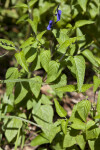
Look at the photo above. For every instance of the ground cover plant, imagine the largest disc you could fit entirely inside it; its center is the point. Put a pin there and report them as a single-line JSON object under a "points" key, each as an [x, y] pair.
{"points": [[58, 41]]}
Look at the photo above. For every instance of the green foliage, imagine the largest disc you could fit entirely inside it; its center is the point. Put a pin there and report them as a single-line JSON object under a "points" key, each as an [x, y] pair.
{"points": [[47, 64]]}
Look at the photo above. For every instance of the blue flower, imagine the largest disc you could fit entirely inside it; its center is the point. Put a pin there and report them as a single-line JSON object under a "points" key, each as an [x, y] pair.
{"points": [[58, 14], [50, 25]]}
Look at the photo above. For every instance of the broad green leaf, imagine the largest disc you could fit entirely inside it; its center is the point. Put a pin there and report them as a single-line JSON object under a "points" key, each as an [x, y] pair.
{"points": [[94, 8], [21, 60], [59, 109], [89, 55], [35, 88], [63, 47], [6, 44], [21, 5], [81, 141], [92, 131], [39, 36], [45, 57], [83, 4], [96, 83], [34, 24], [44, 6], [35, 65], [61, 35], [78, 124], [12, 129], [23, 18], [31, 54], [28, 42], [98, 103], [81, 23], [60, 81], [64, 124], [69, 140], [31, 3], [44, 118], [80, 70], [45, 100], [82, 41], [67, 88], [85, 87], [12, 73], [57, 143], [40, 139], [21, 89], [92, 144], [71, 88], [53, 71], [72, 117], [70, 63], [83, 108]]}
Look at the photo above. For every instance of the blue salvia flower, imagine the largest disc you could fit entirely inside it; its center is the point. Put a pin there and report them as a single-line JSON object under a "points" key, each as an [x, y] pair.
{"points": [[58, 15], [50, 25]]}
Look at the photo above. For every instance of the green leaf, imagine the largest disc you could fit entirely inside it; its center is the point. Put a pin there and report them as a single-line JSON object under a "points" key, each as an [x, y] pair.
{"points": [[31, 3], [69, 140], [83, 4], [83, 40], [31, 54], [12, 73], [80, 70], [21, 89], [96, 83], [92, 144], [23, 18], [45, 100], [59, 109], [78, 124], [45, 57], [21, 5], [12, 129], [44, 117], [81, 23], [45, 6], [83, 108], [91, 130], [88, 54], [6, 44], [85, 87], [36, 87], [63, 47], [39, 36], [81, 141], [34, 24], [39, 140], [72, 117], [53, 71], [61, 35], [98, 103], [28, 42], [67, 88], [64, 124], [21, 60], [72, 88]]}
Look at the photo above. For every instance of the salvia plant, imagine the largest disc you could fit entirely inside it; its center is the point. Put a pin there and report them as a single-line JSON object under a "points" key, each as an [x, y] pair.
{"points": [[60, 45]]}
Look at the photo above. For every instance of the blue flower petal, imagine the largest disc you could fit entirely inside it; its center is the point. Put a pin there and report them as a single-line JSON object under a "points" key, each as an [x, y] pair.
{"points": [[50, 25], [59, 15]]}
